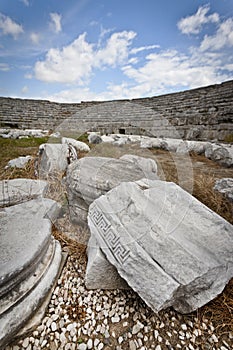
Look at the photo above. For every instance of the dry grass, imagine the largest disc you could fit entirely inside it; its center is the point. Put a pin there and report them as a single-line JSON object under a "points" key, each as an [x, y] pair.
{"points": [[220, 311]]}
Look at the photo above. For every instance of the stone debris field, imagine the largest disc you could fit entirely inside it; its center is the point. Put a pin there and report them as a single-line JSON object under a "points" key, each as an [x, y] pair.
{"points": [[121, 260]]}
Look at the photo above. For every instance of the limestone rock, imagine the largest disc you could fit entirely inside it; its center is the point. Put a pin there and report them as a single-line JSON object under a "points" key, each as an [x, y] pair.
{"points": [[220, 153], [150, 142], [168, 246], [148, 166], [107, 139], [78, 145], [94, 138], [20, 190], [225, 186], [29, 263], [19, 162], [53, 159], [90, 177], [197, 147], [20, 133], [100, 274]]}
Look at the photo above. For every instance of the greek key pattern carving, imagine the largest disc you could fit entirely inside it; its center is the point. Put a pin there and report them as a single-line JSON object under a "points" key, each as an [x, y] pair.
{"points": [[113, 241]]}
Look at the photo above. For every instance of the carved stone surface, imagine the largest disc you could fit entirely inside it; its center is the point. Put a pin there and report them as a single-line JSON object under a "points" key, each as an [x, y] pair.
{"points": [[225, 186], [20, 190], [90, 177], [53, 159], [100, 274], [168, 246], [29, 262]]}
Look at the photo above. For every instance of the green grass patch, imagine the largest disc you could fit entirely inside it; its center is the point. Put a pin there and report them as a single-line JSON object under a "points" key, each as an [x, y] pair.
{"points": [[13, 148]]}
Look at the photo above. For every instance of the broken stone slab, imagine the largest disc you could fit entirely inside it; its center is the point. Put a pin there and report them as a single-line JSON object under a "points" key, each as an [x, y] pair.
{"points": [[220, 153], [100, 274], [78, 145], [29, 262], [148, 165], [53, 159], [90, 177], [20, 190], [197, 147], [94, 138], [19, 162], [225, 186], [169, 247]]}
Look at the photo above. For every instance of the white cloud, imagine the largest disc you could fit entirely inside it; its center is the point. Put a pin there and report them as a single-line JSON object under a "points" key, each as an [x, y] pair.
{"points": [[164, 72], [222, 38], [116, 50], [28, 76], [4, 67], [25, 2], [170, 69], [193, 24], [143, 48], [71, 64], [9, 27], [24, 90], [35, 38], [74, 63], [55, 23]]}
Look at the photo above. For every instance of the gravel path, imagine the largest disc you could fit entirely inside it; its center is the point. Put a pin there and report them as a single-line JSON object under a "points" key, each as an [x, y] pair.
{"points": [[82, 319]]}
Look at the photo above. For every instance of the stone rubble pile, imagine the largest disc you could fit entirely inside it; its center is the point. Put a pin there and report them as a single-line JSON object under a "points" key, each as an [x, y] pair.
{"points": [[20, 133], [218, 152], [30, 257], [169, 247]]}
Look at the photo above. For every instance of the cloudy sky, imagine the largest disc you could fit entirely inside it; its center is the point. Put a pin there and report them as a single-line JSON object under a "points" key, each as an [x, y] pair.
{"points": [[78, 50]]}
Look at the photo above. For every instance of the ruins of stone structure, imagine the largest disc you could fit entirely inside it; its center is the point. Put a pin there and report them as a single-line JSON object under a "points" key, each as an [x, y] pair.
{"points": [[30, 258], [169, 247], [201, 114], [90, 177]]}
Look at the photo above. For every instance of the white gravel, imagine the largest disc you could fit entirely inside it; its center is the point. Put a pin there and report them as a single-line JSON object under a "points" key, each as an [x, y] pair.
{"points": [[82, 319]]}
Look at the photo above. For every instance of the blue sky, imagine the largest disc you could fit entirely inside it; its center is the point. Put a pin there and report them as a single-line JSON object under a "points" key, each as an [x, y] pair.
{"points": [[78, 50]]}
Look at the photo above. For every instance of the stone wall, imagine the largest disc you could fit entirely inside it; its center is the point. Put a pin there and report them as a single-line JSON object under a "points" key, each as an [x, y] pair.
{"points": [[203, 113]]}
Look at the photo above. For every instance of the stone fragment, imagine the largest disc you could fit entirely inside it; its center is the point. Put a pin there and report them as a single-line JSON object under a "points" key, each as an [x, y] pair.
{"points": [[156, 235], [147, 165], [132, 345], [17, 133], [100, 274], [20, 190], [90, 177], [53, 159], [151, 142], [19, 162], [78, 145], [94, 138], [137, 327], [29, 263], [220, 153], [225, 186], [107, 138], [197, 147]]}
